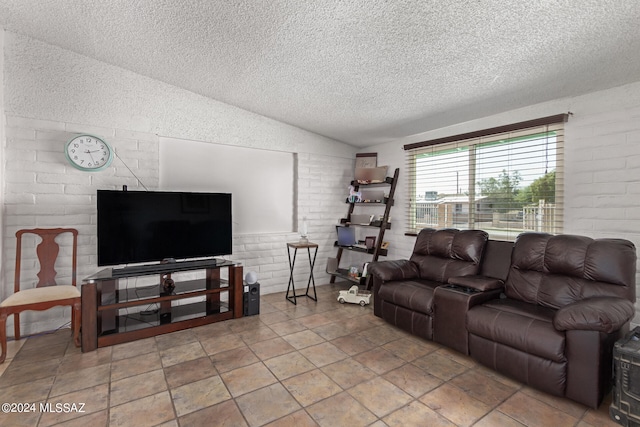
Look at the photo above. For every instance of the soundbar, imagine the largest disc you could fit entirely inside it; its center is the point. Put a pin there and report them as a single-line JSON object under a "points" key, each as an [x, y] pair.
{"points": [[168, 267]]}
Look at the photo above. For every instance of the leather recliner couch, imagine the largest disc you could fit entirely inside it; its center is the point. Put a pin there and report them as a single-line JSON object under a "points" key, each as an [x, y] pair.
{"points": [[550, 322], [437, 256]]}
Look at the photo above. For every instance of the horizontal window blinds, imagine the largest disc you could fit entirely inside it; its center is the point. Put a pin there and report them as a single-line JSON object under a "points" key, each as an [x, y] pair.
{"points": [[504, 183]]}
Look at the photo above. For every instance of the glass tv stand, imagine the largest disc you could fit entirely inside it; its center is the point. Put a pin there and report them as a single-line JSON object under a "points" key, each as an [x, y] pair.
{"points": [[113, 312]]}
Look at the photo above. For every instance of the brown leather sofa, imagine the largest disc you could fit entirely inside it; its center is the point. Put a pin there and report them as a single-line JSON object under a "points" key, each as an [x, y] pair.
{"points": [[545, 311]]}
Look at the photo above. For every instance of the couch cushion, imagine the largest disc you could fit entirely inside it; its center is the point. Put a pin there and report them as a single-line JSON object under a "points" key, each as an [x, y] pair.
{"points": [[525, 327], [441, 254], [416, 295]]}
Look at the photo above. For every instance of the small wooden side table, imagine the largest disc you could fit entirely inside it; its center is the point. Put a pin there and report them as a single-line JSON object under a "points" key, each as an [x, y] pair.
{"points": [[312, 261]]}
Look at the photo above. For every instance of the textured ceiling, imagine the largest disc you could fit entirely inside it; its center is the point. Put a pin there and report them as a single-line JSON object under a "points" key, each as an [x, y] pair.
{"points": [[360, 71]]}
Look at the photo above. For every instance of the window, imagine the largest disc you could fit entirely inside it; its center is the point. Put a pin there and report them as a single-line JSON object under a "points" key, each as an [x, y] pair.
{"points": [[503, 180]]}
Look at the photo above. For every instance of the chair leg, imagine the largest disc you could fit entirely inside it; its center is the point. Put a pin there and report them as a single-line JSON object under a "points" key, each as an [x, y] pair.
{"points": [[3, 336], [75, 323], [16, 326]]}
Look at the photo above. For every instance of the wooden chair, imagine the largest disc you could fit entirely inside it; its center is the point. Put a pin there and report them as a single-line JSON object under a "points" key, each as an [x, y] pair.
{"points": [[47, 293]]}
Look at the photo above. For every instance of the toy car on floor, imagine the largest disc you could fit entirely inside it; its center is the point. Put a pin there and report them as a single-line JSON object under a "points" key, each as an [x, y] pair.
{"points": [[355, 296]]}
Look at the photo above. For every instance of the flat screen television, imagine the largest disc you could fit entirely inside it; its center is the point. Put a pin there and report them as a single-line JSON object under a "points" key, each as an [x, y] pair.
{"points": [[149, 226]]}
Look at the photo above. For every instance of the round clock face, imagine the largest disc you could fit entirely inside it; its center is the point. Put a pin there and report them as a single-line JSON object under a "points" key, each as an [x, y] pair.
{"points": [[88, 153]]}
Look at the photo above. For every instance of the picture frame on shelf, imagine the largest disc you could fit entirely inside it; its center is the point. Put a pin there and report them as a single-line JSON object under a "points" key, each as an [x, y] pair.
{"points": [[366, 160], [370, 241]]}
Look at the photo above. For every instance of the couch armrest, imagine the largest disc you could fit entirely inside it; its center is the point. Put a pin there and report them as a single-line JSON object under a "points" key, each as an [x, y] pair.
{"points": [[394, 270], [480, 283], [604, 314]]}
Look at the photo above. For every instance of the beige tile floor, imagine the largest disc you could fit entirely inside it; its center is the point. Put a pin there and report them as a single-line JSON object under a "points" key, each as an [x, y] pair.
{"points": [[314, 364]]}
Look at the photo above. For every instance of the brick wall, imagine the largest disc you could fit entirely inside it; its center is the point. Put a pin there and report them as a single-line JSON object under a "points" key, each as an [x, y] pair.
{"points": [[41, 189], [602, 174]]}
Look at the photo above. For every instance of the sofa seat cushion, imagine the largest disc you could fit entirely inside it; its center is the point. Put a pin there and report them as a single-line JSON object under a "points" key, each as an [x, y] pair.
{"points": [[416, 295], [522, 326]]}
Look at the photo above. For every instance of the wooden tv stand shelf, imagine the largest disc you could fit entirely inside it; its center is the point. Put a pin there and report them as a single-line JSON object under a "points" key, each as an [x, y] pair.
{"points": [[113, 314]]}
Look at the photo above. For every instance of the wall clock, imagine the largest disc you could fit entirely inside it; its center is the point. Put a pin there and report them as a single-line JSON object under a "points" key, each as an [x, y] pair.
{"points": [[88, 153]]}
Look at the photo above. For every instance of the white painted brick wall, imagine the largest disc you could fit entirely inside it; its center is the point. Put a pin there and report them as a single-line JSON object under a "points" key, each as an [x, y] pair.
{"points": [[43, 190], [602, 174]]}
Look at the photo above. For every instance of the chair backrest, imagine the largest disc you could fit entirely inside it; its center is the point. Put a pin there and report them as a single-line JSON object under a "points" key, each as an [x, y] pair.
{"points": [[441, 254], [47, 251], [496, 259], [554, 271]]}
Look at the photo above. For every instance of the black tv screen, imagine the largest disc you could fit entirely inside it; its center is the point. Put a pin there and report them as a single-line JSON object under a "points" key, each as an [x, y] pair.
{"points": [[145, 226]]}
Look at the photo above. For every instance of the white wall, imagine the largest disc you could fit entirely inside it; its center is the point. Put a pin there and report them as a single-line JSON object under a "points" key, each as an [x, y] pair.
{"points": [[51, 93], [602, 164]]}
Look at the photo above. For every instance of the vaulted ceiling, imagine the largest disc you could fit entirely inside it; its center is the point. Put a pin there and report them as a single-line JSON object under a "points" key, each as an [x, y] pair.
{"points": [[359, 71]]}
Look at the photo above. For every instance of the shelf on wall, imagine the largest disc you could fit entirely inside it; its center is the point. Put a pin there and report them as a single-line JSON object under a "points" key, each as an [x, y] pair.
{"points": [[374, 224], [344, 275], [388, 180], [383, 252], [382, 225], [384, 201]]}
